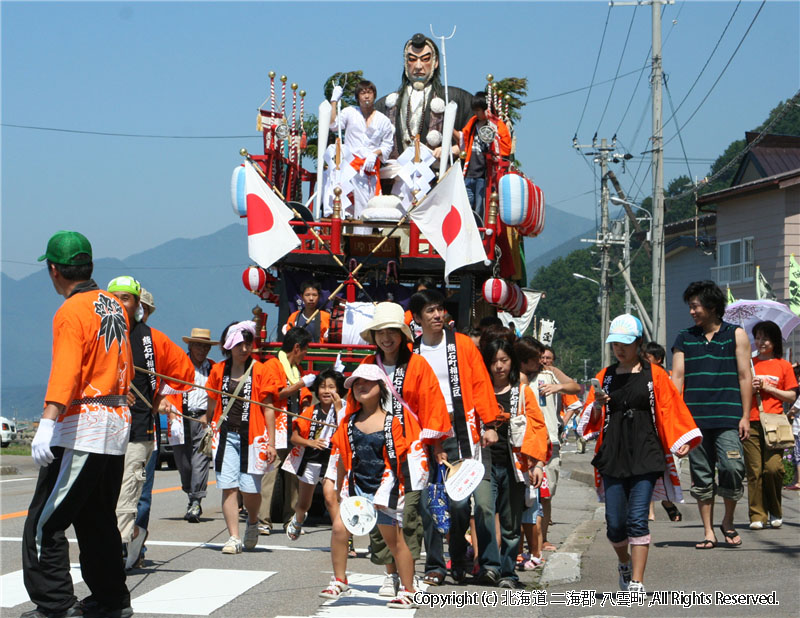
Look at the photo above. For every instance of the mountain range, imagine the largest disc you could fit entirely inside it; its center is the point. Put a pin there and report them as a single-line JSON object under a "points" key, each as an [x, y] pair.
{"points": [[195, 283]]}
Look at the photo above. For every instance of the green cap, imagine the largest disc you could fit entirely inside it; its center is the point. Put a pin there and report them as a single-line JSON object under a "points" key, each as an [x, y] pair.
{"points": [[64, 246], [125, 284]]}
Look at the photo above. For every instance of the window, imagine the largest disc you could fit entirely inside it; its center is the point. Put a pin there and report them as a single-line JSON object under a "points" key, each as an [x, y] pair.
{"points": [[734, 261]]}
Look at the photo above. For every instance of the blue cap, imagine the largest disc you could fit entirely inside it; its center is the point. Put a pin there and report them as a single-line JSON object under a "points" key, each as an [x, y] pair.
{"points": [[624, 328]]}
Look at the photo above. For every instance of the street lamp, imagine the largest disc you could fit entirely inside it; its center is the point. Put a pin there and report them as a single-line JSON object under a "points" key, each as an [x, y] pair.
{"points": [[620, 202], [580, 276]]}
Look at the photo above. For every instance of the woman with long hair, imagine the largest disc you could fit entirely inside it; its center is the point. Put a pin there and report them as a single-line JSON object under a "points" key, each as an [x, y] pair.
{"points": [[518, 456], [774, 384], [242, 448], [640, 420]]}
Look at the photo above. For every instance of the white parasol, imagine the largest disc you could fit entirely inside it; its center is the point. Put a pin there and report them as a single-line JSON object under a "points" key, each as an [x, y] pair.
{"points": [[747, 313]]}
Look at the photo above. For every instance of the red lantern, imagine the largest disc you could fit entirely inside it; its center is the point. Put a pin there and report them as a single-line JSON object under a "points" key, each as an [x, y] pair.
{"points": [[495, 291], [254, 279]]}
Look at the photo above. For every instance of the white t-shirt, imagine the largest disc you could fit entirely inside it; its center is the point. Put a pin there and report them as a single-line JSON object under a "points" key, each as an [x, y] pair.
{"points": [[436, 355]]}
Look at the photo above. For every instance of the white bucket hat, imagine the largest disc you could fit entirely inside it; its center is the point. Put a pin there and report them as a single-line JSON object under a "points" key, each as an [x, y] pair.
{"points": [[387, 315], [367, 371]]}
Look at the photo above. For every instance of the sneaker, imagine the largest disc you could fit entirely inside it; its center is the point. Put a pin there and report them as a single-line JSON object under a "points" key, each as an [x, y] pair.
{"points": [[390, 585], [92, 609], [775, 522], [337, 588], [188, 509], [459, 575], [636, 588], [264, 529], [756, 525], [488, 578], [233, 546], [37, 613], [625, 574], [135, 547], [507, 582], [193, 513], [403, 600], [251, 536]]}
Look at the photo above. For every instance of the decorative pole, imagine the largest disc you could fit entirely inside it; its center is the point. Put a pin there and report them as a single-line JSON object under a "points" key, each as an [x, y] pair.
{"points": [[293, 134], [489, 79], [272, 91], [303, 139], [283, 95]]}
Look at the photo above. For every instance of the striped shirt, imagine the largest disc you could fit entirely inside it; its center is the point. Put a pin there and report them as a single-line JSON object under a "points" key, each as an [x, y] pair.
{"points": [[711, 376]]}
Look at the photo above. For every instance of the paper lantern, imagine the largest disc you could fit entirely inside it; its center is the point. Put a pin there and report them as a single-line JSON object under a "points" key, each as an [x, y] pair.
{"points": [[534, 225], [238, 194], [495, 291], [254, 279], [516, 199]]}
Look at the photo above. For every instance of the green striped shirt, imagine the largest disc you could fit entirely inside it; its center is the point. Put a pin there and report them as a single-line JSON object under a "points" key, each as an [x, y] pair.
{"points": [[711, 376]]}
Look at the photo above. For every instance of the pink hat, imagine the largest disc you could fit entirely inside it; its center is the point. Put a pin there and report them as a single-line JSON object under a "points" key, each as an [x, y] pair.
{"points": [[370, 372]]}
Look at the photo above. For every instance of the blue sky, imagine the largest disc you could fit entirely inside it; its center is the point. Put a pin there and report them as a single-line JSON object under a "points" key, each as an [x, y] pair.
{"points": [[200, 69]]}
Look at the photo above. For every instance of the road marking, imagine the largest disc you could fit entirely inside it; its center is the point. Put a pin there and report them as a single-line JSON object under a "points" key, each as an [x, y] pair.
{"points": [[199, 593], [27, 478], [151, 543], [12, 587], [13, 515]]}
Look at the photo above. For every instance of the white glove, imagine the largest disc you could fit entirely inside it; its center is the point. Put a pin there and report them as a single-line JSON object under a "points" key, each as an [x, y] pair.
{"points": [[369, 162], [338, 365], [175, 431], [308, 379], [40, 447], [336, 94]]}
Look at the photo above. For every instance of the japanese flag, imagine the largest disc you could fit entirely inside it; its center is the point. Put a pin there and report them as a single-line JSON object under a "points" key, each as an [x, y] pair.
{"points": [[445, 219], [269, 235]]}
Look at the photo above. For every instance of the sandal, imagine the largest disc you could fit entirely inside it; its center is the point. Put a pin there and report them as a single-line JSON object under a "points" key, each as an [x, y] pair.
{"points": [[672, 512], [337, 588], [351, 550], [403, 600], [706, 544], [729, 536], [547, 546], [294, 529], [433, 578]]}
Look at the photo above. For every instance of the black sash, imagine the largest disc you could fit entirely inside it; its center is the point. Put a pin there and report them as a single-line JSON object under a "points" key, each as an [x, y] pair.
{"points": [[459, 415], [391, 452], [142, 420], [244, 427]]}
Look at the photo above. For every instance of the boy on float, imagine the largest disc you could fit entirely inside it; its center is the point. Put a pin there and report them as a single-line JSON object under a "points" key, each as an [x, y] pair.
{"points": [[467, 390], [310, 292], [311, 436], [417, 401], [373, 452]]}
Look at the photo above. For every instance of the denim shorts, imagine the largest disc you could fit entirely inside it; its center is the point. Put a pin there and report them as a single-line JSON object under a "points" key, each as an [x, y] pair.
{"points": [[535, 510], [384, 518], [230, 476], [720, 451]]}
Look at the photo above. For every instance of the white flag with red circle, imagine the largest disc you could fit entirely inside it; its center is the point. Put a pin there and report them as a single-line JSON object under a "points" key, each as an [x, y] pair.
{"points": [[445, 219], [269, 235]]}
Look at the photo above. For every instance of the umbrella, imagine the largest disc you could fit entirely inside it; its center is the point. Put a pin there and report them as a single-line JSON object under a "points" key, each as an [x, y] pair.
{"points": [[747, 313]]}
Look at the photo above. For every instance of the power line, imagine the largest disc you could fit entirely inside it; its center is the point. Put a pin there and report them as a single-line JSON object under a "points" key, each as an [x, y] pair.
{"points": [[619, 65], [680, 137], [713, 51], [139, 135], [594, 73], [582, 88], [635, 88], [727, 64], [795, 100]]}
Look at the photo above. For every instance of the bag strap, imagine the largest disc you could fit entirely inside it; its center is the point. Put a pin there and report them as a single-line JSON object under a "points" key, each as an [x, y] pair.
{"points": [[236, 392], [757, 393]]}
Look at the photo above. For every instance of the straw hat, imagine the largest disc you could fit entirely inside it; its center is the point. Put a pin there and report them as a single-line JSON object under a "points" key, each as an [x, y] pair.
{"points": [[200, 335], [387, 315]]}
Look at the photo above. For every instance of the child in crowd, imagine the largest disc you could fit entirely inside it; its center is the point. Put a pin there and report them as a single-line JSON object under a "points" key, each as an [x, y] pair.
{"points": [[308, 459], [310, 292], [372, 449]]}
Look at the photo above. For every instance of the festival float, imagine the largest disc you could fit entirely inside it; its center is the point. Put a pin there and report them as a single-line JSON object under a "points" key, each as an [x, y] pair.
{"points": [[383, 254]]}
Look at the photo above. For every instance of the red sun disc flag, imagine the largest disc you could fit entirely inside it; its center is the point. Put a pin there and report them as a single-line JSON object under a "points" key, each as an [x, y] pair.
{"points": [[445, 219], [269, 235]]}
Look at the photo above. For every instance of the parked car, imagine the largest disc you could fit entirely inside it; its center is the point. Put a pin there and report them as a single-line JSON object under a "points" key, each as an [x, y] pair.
{"points": [[165, 453], [9, 431]]}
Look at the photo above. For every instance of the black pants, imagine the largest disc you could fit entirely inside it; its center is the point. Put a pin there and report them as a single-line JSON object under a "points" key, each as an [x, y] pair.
{"points": [[78, 489]]}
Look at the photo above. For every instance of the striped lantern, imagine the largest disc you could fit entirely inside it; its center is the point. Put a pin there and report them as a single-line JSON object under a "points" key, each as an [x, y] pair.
{"points": [[515, 199], [495, 291], [238, 193], [254, 279], [521, 307], [534, 225]]}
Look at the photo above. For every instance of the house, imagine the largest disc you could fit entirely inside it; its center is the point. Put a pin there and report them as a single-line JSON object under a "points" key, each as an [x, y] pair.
{"points": [[757, 223]]}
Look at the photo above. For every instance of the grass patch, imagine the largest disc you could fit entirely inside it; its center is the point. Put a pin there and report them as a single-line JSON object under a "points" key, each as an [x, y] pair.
{"points": [[16, 449]]}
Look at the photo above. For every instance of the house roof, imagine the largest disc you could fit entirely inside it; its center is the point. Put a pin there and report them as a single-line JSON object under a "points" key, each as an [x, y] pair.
{"points": [[781, 181], [774, 154]]}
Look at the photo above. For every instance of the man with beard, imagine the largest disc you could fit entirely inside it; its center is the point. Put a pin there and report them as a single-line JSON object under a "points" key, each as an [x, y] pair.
{"points": [[417, 107]]}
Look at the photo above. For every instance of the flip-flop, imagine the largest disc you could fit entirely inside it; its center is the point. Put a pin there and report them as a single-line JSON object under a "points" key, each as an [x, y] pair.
{"points": [[729, 536], [673, 512], [434, 578], [706, 544], [792, 487]]}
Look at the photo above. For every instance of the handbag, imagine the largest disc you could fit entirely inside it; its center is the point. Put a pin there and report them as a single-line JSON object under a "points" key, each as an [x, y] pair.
{"points": [[777, 430], [207, 441], [439, 503]]}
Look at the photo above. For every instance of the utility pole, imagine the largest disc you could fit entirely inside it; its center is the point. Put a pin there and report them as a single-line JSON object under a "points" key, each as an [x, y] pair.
{"points": [[656, 78], [602, 155], [626, 259], [585, 370]]}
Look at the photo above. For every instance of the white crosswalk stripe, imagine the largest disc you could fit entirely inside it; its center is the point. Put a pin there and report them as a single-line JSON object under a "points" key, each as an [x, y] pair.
{"points": [[199, 593], [12, 587]]}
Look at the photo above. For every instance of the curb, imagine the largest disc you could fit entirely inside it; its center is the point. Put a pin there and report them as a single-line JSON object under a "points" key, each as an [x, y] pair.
{"points": [[564, 566], [8, 470]]}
